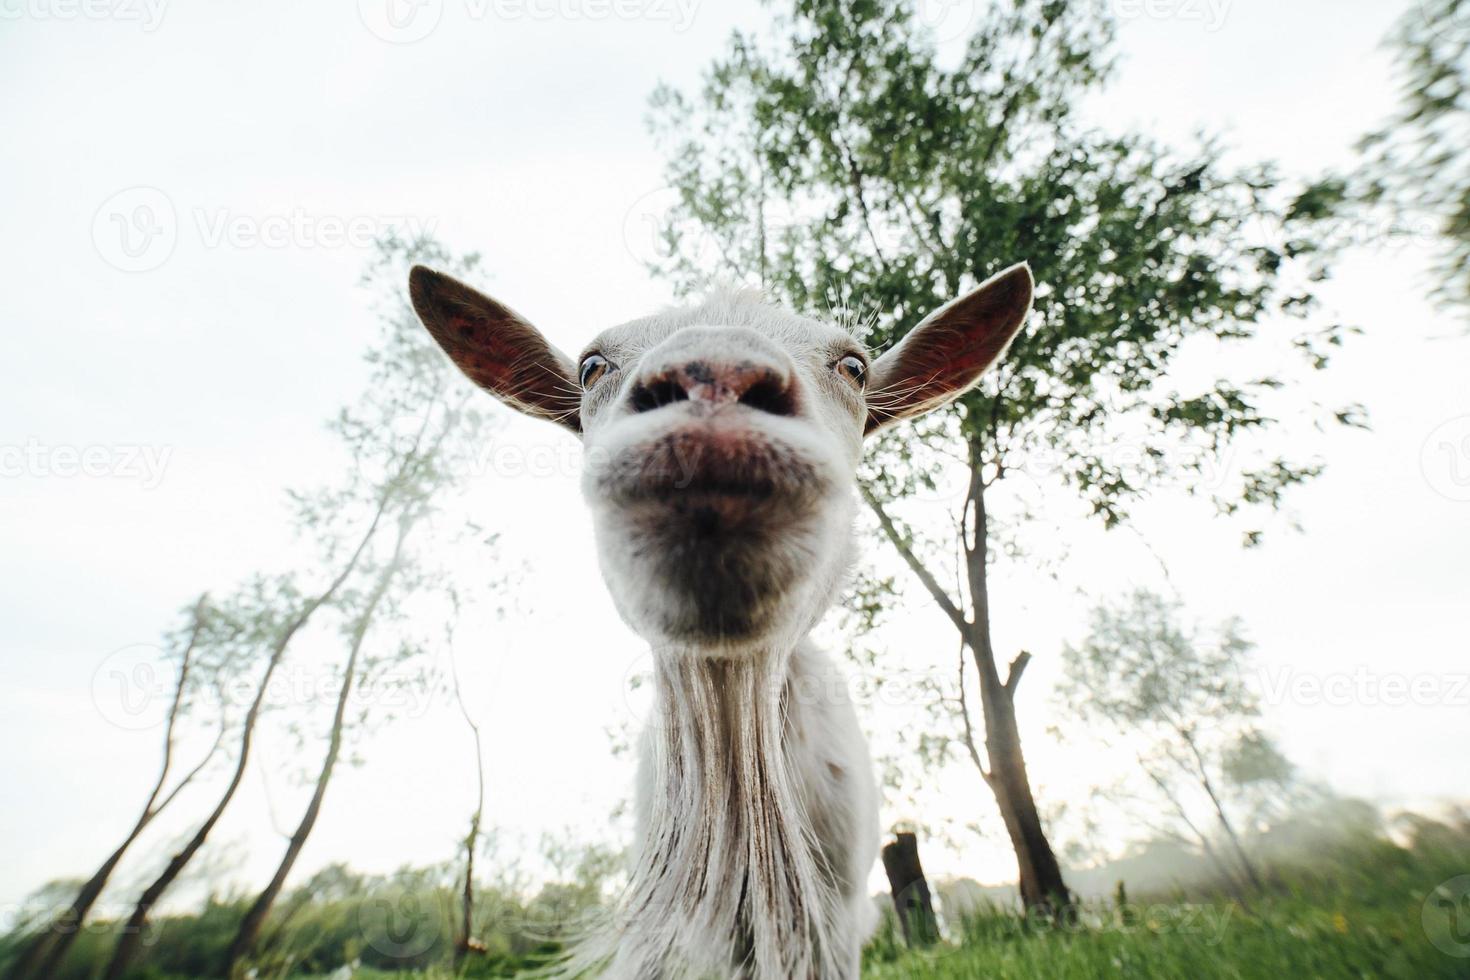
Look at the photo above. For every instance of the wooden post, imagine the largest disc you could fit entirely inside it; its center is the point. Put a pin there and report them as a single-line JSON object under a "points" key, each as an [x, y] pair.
{"points": [[911, 899]]}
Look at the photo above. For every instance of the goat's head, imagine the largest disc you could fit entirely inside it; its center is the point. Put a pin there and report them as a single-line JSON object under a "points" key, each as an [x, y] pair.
{"points": [[722, 441]]}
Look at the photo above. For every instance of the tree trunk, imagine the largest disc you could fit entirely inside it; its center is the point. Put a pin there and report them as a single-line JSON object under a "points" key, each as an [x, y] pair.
{"points": [[466, 943], [249, 931], [132, 933], [911, 898], [45, 955], [1039, 873]]}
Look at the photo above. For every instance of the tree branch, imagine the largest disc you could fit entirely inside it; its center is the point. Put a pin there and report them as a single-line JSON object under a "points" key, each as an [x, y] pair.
{"points": [[175, 707], [1014, 672], [189, 776]]}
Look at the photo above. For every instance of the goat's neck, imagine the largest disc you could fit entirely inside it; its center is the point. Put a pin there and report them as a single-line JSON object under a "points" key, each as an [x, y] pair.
{"points": [[726, 857]]}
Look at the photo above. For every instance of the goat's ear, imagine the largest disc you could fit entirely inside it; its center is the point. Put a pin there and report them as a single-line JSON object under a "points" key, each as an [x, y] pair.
{"points": [[944, 356], [497, 349]]}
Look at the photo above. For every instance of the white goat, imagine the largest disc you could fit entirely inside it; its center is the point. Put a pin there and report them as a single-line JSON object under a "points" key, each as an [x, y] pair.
{"points": [[722, 446]]}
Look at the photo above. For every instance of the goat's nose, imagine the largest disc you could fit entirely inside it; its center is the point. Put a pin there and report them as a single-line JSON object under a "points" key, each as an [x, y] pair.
{"points": [[712, 383]]}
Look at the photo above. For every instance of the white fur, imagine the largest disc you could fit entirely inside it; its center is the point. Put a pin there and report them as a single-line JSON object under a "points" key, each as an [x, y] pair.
{"points": [[724, 532], [757, 809]]}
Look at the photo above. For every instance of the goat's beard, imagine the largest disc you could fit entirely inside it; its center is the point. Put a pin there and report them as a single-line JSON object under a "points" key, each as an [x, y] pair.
{"points": [[685, 579], [725, 572], [727, 879]]}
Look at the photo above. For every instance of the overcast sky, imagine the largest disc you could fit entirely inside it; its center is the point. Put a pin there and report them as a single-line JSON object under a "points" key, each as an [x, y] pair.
{"points": [[186, 195]]}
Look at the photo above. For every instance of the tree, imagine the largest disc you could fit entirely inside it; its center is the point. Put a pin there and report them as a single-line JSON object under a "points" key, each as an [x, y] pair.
{"points": [[411, 379], [1416, 166], [465, 942], [389, 483], [1181, 700], [268, 614], [46, 952], [842, 166], [255, 916]]}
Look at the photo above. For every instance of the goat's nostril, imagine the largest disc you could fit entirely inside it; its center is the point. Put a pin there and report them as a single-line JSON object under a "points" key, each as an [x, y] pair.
{"points": [[656, 394], [753, 386], [769, 394]]}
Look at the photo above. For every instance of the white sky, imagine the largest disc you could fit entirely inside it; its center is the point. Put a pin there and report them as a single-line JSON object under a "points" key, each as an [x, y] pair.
{"points": [[523, 137]]}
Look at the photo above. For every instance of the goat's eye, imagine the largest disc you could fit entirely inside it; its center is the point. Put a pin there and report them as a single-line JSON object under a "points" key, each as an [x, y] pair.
{"points": [[854, 369], [594, 366]]}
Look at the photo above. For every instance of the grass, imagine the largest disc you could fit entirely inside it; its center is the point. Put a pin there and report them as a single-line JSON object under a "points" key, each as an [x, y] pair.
{"points": [[1305, 933], [1366, 908], [1358, 915], [1279, 939]]}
